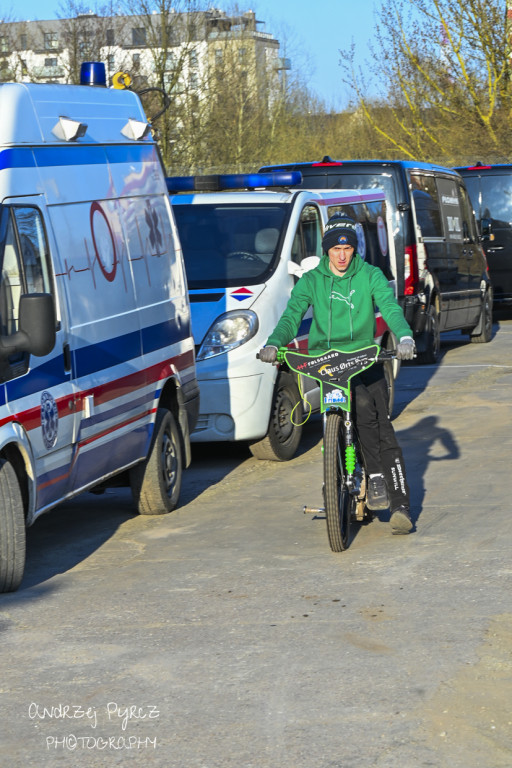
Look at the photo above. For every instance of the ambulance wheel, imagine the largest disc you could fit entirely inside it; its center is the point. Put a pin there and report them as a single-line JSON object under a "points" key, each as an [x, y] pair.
{"points": [[156, 482], [283, 437], [12, 529]]}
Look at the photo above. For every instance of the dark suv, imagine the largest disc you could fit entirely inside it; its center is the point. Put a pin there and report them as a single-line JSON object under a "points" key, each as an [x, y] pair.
{"points": [[441, 274], [490, 190]]}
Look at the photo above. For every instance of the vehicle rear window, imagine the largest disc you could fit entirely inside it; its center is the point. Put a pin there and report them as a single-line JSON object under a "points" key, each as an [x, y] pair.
{"points": [[451, 210], [226, 245], [426, 204], [496, 198], [359, 180], [473, 187]]}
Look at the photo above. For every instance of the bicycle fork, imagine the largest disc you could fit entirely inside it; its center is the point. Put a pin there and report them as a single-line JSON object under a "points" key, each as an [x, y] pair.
{"points": [[348, 460], [349, 450]]}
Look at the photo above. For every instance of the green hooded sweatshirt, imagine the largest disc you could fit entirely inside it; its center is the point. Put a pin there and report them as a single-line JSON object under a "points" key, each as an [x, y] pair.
{"points": [[343, 308]]}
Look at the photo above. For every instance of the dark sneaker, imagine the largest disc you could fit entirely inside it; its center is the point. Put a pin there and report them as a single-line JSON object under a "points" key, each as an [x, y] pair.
{"points": [[377, 493], [400, 520]]}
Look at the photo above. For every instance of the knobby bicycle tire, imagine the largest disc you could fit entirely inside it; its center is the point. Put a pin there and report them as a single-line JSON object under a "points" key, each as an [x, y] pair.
{"points": [[337, 499]]}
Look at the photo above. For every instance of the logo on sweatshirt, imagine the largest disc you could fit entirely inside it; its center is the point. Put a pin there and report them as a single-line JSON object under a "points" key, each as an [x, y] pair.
{"points": [[340, 297]]}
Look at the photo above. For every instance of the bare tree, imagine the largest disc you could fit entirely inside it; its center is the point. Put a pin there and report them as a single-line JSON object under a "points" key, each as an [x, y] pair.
{"points": [[88, 35], [165, 34], [8, 48], [444, 65]]}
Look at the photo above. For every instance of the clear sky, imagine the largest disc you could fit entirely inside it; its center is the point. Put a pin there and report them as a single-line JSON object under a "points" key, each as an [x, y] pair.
{"points": [[312, 32]]}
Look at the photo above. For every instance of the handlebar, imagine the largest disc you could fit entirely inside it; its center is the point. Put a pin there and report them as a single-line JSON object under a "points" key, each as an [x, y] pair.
{"points": [[384, 354]]}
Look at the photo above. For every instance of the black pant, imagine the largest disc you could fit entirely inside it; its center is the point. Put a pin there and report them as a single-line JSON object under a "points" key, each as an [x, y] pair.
{"points": [[381, 451]]}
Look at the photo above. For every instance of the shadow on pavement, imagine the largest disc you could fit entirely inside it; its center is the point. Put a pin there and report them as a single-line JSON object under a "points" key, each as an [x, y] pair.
{"points": [[69, 534], [426, 442]]}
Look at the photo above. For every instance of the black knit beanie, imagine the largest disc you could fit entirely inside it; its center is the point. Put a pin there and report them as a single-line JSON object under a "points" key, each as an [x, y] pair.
{"points": [[339, 230]]}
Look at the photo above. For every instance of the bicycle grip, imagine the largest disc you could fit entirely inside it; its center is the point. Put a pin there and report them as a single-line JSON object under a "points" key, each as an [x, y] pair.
{"points": [[385, 354]]}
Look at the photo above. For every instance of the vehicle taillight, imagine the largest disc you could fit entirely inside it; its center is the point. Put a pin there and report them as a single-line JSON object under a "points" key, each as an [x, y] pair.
{"points": [[411, 276]]}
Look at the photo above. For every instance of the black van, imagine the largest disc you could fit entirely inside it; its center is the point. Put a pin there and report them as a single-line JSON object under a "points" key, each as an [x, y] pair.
{"points": [[490, 190], [441, 271]]}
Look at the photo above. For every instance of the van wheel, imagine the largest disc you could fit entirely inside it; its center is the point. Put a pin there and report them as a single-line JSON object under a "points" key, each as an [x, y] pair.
{"points": [[156, 482], [283, 438], [433, 348], [485, 323], [12, 529]]}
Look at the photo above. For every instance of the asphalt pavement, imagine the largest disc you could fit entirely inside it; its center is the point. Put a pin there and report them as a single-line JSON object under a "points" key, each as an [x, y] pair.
{"points": [[228, 635]]}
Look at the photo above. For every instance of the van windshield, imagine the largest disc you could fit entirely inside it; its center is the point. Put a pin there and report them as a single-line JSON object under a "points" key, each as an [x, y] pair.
{"points": [[225, 245]]}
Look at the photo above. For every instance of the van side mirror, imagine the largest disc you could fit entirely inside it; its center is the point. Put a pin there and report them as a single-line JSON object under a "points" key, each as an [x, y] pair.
{"points": [[485, 229], [309, 262], [37, 321]]}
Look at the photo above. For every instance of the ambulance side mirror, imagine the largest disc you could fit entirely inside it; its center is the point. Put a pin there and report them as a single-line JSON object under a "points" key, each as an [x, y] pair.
{"points": [[37, 323]]}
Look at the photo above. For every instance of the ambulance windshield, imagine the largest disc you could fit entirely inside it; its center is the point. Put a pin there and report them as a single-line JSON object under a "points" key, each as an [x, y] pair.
{"points": [[228, 244]]}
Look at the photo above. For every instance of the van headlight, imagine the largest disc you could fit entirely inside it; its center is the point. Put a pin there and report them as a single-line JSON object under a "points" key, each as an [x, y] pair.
{"points": [[229, 331]]}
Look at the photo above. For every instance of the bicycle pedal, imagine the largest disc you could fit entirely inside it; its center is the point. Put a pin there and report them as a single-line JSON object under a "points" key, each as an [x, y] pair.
{"points": [[314, 511]]}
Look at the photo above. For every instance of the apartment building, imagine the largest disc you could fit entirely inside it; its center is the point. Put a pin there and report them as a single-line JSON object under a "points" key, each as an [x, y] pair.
{"points": [[177, 50]]}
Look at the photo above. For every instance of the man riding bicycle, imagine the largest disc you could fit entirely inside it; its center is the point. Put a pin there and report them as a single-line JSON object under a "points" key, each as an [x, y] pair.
{"points": [[343, 291]]}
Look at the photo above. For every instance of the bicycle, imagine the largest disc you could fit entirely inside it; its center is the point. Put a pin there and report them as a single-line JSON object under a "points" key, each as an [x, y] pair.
{"points": [[344, 487]]}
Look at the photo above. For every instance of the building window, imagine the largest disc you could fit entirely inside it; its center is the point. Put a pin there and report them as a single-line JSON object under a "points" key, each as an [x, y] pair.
{"points": [[50, 63], [192, 59], [136, 59], [218, 56], [110, 37], [139, 36], [111, 62], [23, 42], [4, 48], [50, 41], [242, 53]]}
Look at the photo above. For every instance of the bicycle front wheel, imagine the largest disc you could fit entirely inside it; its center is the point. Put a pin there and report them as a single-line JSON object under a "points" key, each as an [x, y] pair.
{"points": [[338, 501]]}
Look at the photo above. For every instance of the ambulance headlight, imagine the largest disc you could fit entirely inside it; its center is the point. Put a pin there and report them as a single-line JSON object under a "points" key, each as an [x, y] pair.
{"points": [[229, 331]]}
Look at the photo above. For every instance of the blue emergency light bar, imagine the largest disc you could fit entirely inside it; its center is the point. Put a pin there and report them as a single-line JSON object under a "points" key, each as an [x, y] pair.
{"points": [[221, 182]]}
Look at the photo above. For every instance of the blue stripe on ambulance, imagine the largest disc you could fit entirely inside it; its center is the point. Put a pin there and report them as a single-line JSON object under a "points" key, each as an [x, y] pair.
{"points": [[28, 157], [90, 359]]}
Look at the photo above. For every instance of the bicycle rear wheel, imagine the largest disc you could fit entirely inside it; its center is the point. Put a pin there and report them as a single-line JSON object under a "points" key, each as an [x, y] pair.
{"points": [[338, 501]]}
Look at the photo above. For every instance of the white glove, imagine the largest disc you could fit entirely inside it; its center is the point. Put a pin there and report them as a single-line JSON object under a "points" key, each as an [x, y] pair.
{"points": [[406, 348], [268, 354]]}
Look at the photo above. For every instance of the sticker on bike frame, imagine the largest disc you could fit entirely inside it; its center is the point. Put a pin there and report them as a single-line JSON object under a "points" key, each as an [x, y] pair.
{"points": [[334, 397]]}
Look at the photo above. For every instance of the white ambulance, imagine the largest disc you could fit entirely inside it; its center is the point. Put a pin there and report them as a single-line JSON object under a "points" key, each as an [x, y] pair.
{"points": [[244, 251], [98, 382]]}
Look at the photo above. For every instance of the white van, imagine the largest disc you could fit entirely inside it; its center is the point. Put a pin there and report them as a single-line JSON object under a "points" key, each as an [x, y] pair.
{"points": [[244, 251], [98, 381]]}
